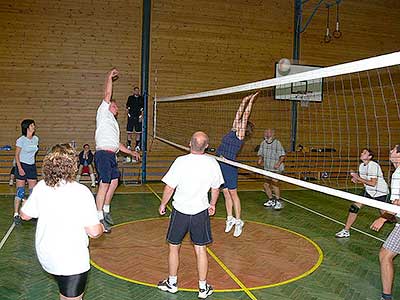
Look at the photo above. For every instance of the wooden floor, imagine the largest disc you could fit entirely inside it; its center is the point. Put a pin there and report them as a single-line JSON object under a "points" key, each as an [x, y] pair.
{"points": [[349, 269]]}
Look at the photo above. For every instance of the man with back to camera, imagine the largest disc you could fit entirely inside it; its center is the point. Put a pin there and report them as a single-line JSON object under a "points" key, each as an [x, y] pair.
{"points": [[191, 176]]}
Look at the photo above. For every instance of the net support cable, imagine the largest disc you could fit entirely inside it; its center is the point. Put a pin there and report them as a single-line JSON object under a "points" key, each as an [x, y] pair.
{"points": [[312, 186]]}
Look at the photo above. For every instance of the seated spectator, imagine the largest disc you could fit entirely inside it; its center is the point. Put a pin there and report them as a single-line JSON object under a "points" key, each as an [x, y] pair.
{"points": [[85, 164]]}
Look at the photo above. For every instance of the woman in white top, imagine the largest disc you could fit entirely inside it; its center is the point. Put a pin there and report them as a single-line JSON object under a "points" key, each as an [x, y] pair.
{"points": [[26, 147], [61, 241]]}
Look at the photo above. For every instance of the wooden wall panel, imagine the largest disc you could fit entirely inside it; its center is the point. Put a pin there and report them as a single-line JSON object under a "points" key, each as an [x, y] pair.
{"points": [[216, 45], [53, 55], [53, 59]]}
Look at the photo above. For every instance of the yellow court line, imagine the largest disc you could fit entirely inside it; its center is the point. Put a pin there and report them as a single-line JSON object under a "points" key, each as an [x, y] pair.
{"points": [[94, 264], [222, 265]]}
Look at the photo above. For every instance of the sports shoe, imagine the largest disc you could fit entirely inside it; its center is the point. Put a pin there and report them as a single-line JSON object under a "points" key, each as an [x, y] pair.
{"points": [[11, 182], [343, 234], [238, 228], [137, 148], [278, 205], [270, 203], [229, 224], [93, 184], [108, 218], [204, 293], [107, 227], [17, 220], [167, 287]]}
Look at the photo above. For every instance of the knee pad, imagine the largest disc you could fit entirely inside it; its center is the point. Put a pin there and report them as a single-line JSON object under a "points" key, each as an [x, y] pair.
{"points": [[20, 193], [354, 209]]}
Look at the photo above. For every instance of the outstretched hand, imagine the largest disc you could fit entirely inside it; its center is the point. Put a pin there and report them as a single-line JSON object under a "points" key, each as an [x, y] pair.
{"points": [[136, 155], [113, 73], [377, 224]]}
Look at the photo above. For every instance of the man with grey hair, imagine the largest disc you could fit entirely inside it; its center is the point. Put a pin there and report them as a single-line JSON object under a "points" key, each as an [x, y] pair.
{"points": [[191, 176], [273, 155]]}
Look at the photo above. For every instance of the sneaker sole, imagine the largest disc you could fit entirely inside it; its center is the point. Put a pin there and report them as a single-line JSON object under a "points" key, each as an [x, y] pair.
{"points": [[227, 231], [201, 297], [165, 289]]}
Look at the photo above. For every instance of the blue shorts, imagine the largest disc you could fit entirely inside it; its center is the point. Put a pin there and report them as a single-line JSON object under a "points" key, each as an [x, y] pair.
{"points": [[197, 225], [106, 166], [230, 174], [30, 172]]}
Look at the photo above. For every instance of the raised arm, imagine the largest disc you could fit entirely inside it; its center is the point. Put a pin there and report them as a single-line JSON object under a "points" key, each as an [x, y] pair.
{"points": [[109, 84], [242, 123], [239, 112]]}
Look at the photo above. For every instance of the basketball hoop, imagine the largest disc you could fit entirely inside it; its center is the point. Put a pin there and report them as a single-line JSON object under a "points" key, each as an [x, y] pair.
{"points": [[303, 98]]}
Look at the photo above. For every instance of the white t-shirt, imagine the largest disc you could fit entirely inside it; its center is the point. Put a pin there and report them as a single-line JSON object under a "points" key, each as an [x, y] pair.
{"points": [[29, 147], [373, 170], [193, 175], [395, 185], [63, 213], [107, 129]]}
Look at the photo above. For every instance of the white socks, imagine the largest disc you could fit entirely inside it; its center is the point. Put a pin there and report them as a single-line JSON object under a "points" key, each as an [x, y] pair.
{"points": [[172, 279], [93, 178], [202, 284]]}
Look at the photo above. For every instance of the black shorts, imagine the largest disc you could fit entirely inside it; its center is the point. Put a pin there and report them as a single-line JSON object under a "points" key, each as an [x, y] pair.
{"points": [[197, 225], [384, 198], [106, 166], [134, 123], [12, 171], [30, 172], [73, 285]]}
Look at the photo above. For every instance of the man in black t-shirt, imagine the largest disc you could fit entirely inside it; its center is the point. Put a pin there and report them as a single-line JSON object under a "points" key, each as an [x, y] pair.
{"points": [[134, 109]]}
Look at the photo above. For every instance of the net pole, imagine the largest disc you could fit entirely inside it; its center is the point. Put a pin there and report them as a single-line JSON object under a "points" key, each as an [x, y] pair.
{"points": [[155, 116]]}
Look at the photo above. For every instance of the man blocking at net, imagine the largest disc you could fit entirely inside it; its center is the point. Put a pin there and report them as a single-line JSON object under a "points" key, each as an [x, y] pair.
{"points": [[391, 247], [229, 148], [191, 176], [273, 155], [375, 187], [107, 146]]}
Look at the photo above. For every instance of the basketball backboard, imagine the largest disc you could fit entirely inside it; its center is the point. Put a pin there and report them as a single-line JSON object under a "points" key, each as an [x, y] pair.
{"points": [[309, 90]]}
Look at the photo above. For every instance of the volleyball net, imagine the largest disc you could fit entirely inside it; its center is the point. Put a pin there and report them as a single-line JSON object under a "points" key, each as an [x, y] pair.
{"points": [[324, 118]]}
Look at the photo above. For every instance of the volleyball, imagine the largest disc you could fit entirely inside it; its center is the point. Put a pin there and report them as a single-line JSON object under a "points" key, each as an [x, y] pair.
{"points": [[284, 66]]}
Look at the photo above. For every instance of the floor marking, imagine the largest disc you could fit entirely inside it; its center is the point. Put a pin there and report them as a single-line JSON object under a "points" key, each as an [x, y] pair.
{"points": [[3, 241], [331, 219]]}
